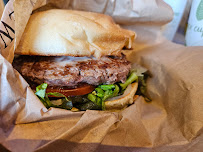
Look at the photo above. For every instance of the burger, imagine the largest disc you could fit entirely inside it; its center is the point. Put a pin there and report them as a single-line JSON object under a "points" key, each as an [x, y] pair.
{"points": [[74, 60]]}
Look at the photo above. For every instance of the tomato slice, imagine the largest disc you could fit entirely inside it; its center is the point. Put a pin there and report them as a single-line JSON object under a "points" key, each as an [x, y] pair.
{"points": [[79, 90]]}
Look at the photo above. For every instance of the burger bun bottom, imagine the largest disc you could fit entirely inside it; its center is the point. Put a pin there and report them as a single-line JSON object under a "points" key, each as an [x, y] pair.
{"points": [[121, 102]]}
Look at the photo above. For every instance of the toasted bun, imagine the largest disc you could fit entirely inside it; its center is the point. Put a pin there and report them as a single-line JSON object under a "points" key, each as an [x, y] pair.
{"points": [[73, 33], [120, 102]]}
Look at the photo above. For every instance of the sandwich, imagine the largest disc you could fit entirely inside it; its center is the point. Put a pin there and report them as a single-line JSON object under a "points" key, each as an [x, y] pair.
{"points": [[74, 60]]}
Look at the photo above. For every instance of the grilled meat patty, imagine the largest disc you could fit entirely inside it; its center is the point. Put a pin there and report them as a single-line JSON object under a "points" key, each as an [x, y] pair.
{"points": [[72, 71]]}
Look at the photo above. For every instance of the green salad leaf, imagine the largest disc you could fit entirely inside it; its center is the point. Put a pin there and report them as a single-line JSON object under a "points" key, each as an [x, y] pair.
{"points": [[41, 90], [43, 96], [138, 69], [104, 92], [133, 77], [142, 74], [41, 93]]}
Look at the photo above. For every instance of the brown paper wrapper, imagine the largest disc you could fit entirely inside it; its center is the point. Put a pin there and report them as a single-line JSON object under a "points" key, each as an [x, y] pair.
{"points": [[171, 122]]}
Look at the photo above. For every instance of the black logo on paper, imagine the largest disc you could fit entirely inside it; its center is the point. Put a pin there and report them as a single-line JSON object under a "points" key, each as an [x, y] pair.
{"points": [[6, 33], [10, 15]]}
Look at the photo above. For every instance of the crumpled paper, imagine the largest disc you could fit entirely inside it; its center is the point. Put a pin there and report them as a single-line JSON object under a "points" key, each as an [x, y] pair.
{"points": [[171, 122]]}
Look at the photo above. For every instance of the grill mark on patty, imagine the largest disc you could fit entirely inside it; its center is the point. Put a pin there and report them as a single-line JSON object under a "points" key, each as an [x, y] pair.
{"points": [[107, 70]]}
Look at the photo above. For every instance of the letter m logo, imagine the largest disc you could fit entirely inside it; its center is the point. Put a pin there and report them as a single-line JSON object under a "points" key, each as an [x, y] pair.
{"points": [[6, 34]]}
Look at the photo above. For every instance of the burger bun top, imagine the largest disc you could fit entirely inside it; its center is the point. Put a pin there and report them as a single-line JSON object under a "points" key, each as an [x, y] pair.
{"points": [[60, 32]]}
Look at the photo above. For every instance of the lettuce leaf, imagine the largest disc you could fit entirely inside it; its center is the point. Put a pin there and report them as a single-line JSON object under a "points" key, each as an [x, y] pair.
{"points": [[43, 96]]}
